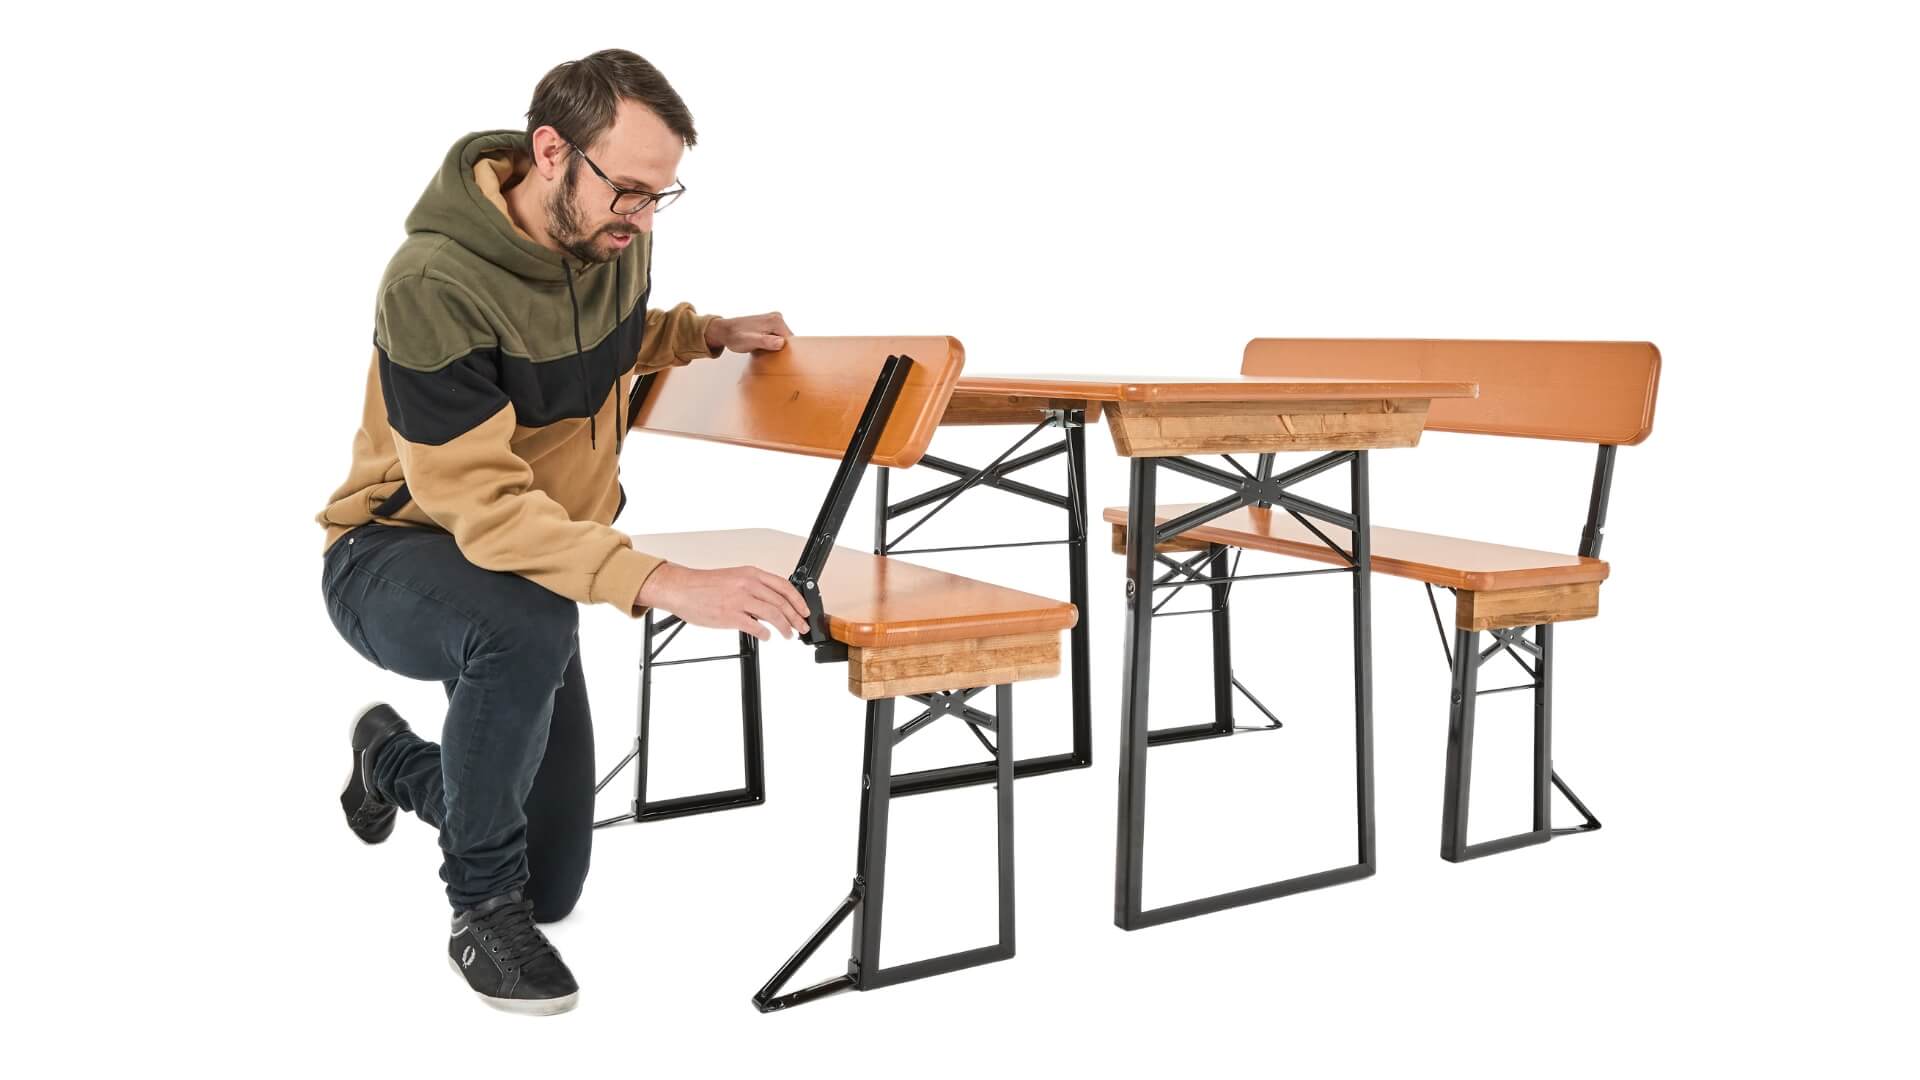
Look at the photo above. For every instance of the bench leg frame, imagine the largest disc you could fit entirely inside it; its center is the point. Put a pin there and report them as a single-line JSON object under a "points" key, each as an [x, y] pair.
{"points": [[1073, 444], [865, 902], [1219, 581], [1467, 658], [752, 742], [1135, 733]]}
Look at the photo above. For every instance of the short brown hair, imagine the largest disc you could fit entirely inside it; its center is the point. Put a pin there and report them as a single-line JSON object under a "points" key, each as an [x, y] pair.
{"points": [[578, 98]]}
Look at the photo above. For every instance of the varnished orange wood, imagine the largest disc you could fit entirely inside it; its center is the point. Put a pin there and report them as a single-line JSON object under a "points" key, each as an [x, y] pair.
{"points": [[969, 408], [1587, 391], [1429, 557], [1529, 605], [872, 600], [1221, 388], [806, 398]]}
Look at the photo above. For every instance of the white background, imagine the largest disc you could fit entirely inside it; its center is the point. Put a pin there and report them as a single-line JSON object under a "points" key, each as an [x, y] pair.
{"points": [[199, 206]]}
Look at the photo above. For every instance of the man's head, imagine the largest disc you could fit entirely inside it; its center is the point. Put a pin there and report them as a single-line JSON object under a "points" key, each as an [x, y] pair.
{"points": [[616, 112]]}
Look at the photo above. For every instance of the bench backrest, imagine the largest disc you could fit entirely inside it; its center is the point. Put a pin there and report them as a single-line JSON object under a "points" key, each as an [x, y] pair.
{"points": [[806, 398], [1585, 391]]}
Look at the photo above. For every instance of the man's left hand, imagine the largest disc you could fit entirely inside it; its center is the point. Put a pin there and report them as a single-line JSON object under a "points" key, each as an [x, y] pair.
{"points": [[749, 332]]}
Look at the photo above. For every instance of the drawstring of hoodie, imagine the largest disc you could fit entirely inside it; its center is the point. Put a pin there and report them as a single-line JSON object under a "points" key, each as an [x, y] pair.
{"points": [[619, 419], [580, 350]]}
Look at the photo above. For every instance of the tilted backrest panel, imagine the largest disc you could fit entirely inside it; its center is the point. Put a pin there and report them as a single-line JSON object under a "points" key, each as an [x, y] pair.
{"points": [[806, 398], [1586, 391]]}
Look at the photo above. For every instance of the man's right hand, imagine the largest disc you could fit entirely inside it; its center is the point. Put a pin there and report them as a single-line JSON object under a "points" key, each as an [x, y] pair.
{"points": [[743, 598]]}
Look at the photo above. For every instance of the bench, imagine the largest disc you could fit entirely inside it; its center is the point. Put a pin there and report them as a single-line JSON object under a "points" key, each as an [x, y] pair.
{"points": [[904, 631], [1596, 392]]}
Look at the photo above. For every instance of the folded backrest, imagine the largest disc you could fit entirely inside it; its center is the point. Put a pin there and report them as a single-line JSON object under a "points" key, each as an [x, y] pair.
{"points": [[806, 398]]}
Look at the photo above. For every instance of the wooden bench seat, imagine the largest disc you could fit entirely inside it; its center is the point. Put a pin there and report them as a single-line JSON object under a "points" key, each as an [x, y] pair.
{"points": [[873, 600], [1495, 585]]}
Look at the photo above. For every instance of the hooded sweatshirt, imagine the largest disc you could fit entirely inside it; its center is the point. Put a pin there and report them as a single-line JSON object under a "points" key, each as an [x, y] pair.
{"points": [[497, 396]]}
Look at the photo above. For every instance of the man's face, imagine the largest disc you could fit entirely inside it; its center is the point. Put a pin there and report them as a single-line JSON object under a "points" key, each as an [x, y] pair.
{"points": [[638, 151]]}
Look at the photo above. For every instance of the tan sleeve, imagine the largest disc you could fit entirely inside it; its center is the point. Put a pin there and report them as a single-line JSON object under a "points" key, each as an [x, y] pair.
{"points": [[478, 489], [674, 337]]}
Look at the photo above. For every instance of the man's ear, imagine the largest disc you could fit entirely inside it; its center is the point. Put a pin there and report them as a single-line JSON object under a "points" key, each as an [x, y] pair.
{"points": [[550, 152]]}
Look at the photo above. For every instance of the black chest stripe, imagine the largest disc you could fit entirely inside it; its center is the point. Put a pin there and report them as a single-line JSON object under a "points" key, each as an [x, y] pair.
{"points": [[436, 407]]}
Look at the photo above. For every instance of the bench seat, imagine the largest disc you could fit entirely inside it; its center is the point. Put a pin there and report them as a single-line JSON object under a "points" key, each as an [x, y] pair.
{"points": [[1498, 586], [909, 629]]}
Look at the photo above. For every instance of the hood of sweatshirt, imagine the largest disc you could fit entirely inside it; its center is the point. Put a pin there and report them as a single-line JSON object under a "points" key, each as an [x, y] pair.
{"points": [[464, 202], [540, 305]]}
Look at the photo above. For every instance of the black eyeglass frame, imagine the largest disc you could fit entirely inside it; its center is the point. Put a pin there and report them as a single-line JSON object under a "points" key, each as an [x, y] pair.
{"points": [[660, 199]]}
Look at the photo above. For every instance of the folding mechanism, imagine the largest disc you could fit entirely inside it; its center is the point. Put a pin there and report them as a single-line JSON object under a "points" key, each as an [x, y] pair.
{"points": [[833, 512]]}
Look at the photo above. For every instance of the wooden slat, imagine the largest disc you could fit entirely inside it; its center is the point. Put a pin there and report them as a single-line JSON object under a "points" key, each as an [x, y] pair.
{"points": [[1486, 610], [1430, 557], [1587, 391], [1169, 428], [806, 398], [871, 600], [882, 672]]}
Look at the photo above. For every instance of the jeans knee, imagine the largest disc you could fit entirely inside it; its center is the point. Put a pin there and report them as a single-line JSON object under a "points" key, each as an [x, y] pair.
{"points": [[554, 900], [553, 911]]}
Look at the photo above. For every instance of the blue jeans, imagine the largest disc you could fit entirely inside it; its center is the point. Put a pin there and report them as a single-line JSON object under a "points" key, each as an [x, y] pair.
{"points": [[510, 785]]}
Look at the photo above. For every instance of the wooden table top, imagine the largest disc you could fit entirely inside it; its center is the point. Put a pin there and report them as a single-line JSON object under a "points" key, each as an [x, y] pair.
{"points": [[1212, 388]]}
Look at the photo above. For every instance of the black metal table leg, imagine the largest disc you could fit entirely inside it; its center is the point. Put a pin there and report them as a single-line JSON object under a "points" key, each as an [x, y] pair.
{"points": [[1135, 732]]}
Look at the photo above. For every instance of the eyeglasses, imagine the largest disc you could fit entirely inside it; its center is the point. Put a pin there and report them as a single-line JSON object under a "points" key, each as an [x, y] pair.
{"points": [[629, 200]]}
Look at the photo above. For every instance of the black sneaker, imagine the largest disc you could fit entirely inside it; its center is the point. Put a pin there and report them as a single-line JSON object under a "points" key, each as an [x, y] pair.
{"points": [[370, 818], [508, 961]]}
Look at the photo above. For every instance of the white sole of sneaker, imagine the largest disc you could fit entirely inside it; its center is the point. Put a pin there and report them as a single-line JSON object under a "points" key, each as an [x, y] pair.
{"points": [[547, 1007]]}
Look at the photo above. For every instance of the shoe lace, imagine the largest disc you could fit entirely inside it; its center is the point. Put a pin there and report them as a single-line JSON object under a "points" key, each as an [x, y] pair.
{"points": [[509, 933]]}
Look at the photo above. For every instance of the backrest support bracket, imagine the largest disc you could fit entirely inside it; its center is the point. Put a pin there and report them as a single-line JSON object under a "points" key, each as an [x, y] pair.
{"points": [[846, 481]]}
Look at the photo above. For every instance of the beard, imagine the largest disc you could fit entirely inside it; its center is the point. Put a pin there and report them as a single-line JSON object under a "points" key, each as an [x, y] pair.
{"points": [[566, 223]]}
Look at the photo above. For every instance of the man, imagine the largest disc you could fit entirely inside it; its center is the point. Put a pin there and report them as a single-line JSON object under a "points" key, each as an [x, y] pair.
{"points": [[510, 329]]}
